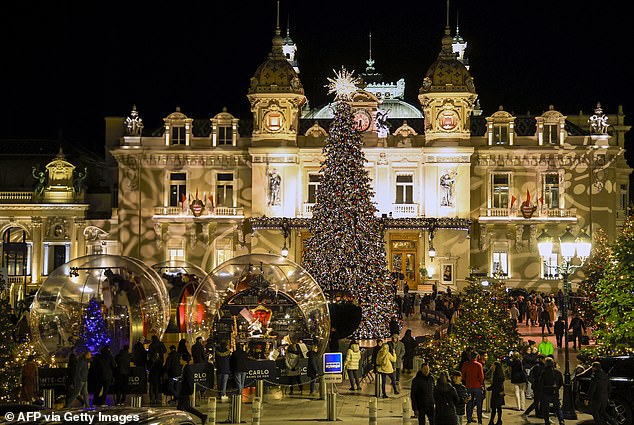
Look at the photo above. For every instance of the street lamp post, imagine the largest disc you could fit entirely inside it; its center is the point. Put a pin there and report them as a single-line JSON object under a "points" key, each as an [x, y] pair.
{"points": [[570, 247]]}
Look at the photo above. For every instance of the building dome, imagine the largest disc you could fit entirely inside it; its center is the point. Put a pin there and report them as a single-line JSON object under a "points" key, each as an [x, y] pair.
{"points": [[276, 74], [447, 73]]}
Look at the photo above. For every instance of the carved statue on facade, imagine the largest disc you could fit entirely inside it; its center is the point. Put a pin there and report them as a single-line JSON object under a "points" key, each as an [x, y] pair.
{"points": [[447, 192], [275, 181], [382, 127], [133, 123], [40, 176], [598, 121], [78, 181]]}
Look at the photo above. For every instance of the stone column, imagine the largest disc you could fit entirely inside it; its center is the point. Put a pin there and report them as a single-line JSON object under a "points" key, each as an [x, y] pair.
{"points": [[36, 257]]}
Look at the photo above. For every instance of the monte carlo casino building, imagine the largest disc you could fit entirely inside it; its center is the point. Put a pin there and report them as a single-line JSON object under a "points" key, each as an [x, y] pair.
{"points": [[449, 180]]}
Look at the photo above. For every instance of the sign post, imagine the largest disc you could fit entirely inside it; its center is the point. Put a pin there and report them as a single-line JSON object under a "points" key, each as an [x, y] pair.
{"points": [[333, 373]]}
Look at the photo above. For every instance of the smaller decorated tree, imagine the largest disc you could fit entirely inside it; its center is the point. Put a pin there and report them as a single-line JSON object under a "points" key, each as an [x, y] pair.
{"points": [[94, 331], [10, 372]]}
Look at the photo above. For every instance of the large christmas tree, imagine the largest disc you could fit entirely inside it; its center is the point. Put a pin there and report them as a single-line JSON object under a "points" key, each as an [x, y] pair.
{"points": [[9, 371], [94, 332], [345, 252], [615, 296]]}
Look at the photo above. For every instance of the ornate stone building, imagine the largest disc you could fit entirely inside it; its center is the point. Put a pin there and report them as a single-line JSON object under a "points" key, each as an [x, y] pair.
{"points": [[452, 183]]}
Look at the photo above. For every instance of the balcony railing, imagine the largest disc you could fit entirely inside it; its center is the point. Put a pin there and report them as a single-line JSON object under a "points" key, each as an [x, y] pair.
{"points": [[308, 210], [8, 197], [540, 212], [217, 211], [404, 210]]}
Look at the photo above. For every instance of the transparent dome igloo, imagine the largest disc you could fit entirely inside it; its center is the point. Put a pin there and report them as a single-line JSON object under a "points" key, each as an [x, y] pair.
{"points": [[261, 301], [181, 279], [131, 298]]}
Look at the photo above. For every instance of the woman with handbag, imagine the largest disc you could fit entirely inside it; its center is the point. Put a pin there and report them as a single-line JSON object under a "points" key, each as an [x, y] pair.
{"points": [[497, 393]]}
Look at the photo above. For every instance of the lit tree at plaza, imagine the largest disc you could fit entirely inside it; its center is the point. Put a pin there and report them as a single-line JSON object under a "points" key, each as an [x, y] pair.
{"points": [[94, 333], [615, 295], [346, 252], [593, 271], [483, 323]]}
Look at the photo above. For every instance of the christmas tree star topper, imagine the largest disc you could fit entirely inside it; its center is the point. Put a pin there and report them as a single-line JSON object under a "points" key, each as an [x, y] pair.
{"points": [[343, 85]]}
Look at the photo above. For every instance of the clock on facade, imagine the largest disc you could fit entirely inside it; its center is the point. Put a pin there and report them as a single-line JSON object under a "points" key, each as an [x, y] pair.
{"points": [[362, 120], [448, 119], [274, 120]]}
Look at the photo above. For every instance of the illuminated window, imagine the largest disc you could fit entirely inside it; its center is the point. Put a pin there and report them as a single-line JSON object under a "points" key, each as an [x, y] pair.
{"points": [[500, 189], [178, 188], [225, 135], [224, 190], [313, 184], [500, 262], [404, 189], [178, 135], [501, 134], [551, 190], [551, 134], [55, 254], [176, 254], [224, 251], [549, 267]]}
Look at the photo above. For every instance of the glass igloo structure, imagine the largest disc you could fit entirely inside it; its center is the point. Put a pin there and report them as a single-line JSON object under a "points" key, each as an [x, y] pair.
{"points": [[119, 295], [262, 302], [181, 280]]}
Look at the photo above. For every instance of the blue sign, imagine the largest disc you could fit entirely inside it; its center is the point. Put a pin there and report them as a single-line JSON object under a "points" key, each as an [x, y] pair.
{"points": [[333, 363]]}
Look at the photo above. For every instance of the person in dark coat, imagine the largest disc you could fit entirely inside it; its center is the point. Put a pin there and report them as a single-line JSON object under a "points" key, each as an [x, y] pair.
{"points": [[239, 367], [122, 374], [446, 398], [156, 346], [139, 354], [198, 351], [463, 394], [71, 370], [155, 372], [422, 395], [223, 368], [313, 370], [394, 326], [578, 329], [549, 383], [80, 381], [105, 370], [559, 329], [410, 351], [518, 379], [186, 389], [497, 393], [174, 370], [533, 377], [182, 347], [598, 394]]}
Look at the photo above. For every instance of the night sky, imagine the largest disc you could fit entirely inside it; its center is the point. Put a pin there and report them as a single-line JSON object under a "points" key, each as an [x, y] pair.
{"points": [[66, 66]]}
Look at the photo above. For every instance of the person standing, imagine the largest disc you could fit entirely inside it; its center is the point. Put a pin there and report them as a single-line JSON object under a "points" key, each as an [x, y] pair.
{"points": [[139, 354], [155, 372], [398, 348], [446, 399], [29, 380], [545, 320], [384, 362], [463, 395], [198, 351], [70, 375], [578, 329], [533, 378], [157, 346], [410, 351], [549, 383], [122, 374], [497, 393], [80, 381], [223, 369], [473, 377], [313, 370], [105, 370], [515, 314], [559, 328], [174, 371], [239, 368], [351, 364], [598, 394], [545, 348], [518, 379], [422, 395], [186, 389], [293, 370]]}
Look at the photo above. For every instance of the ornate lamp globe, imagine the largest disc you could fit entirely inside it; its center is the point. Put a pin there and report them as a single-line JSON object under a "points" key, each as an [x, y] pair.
{"points": [[545, 244], [567, 244], [584, 245]]}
